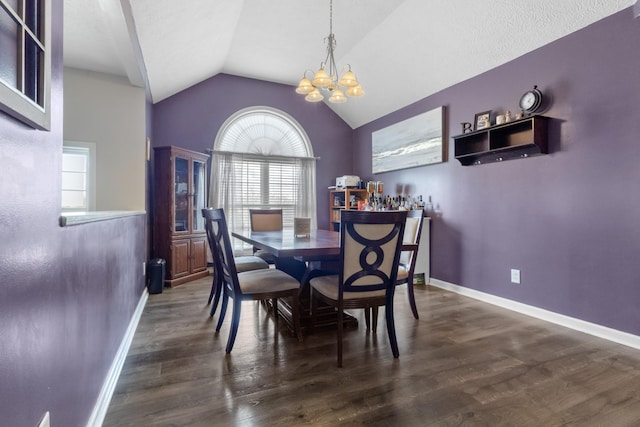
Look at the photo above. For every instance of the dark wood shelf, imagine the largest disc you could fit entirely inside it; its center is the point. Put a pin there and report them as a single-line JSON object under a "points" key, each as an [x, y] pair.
{"points": [[514, 140]]}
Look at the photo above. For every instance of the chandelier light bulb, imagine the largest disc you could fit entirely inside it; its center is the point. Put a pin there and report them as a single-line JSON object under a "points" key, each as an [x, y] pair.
{"points": [[348, 79], [337, 97], [305, 86], [355, 92], [314, 96], [321, 79]]}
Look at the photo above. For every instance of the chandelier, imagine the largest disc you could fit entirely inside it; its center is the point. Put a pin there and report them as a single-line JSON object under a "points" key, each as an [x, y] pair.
{"points": [[326, 78]]}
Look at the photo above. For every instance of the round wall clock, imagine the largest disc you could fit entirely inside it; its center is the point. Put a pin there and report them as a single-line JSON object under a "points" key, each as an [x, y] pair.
{"points": [[531, 100]]}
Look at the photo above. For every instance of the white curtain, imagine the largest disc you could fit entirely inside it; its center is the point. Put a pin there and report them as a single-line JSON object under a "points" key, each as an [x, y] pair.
{"points": [[306, 206], [222, 188], [243, 181]]}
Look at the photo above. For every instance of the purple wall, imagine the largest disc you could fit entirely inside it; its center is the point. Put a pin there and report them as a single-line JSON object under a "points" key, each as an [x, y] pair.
{"points": [[66, 294], [191, 119], [570, 220]]}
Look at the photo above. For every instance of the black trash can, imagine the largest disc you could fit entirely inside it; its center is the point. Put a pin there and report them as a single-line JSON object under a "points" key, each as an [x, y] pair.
{"points": [[156, 275]]}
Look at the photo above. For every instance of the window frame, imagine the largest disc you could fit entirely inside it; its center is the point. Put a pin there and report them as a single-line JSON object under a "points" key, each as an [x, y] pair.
{"points": [[224, 162], [89, 150], [268, 195], [13, 100]]}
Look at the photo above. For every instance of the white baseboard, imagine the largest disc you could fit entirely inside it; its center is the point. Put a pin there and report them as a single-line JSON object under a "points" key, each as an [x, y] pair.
{"points": [[599, 331], [108, 387]]}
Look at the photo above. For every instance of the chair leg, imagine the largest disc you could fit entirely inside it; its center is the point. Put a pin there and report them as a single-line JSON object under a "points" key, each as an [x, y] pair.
{"points": [[391, 329], [313, 309], [374, 319], [340, 327], [412, 298], [235, 321], [367, 317], [223, 311], [216, 297], [295, 312], [274, 304]]}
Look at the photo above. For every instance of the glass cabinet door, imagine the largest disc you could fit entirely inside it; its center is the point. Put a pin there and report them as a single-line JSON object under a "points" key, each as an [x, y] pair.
{"points": [[181, 194], [199, 194]]}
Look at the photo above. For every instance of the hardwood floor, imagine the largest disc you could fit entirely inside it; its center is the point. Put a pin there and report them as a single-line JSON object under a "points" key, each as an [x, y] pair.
{"points": [[464, 363]]}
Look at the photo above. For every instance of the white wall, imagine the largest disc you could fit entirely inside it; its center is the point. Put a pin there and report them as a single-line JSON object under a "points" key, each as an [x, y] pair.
{"points": [[109, 112]]}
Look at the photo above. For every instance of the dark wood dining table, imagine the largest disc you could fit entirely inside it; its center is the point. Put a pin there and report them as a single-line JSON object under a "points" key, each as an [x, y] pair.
{"points": [[303, 258], [320, 246]]}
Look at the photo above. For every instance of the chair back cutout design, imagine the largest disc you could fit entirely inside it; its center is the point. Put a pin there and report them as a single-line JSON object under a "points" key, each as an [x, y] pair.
{"points": [[221, 249], [370, 244]]}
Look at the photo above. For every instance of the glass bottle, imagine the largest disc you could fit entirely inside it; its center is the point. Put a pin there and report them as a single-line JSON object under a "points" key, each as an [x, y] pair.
{"points": [[429, 207]]}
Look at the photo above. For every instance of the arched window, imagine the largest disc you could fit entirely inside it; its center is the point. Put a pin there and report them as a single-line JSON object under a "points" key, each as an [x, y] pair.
{"points": [[262, 158]]}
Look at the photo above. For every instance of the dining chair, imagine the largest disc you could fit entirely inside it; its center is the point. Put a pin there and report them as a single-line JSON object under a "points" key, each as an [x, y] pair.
{"points": [[406, 266], [243, 263], [370, 246], [265, 220], [255, 285], [409, 255]]}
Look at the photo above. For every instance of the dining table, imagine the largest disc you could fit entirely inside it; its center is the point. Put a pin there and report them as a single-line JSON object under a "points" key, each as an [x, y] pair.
{"points": [[303, 257]]}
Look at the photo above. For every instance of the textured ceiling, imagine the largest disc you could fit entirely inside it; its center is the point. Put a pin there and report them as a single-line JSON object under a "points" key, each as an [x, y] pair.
{"points": [[430, 44]]}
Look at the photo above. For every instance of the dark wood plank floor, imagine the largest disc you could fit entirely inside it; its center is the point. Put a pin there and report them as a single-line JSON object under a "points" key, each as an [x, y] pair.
{"points": [[464, 363]]}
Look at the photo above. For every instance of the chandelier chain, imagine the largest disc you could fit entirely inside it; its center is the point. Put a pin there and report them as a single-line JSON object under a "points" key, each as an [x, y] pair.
{"points": [[330, 16]]}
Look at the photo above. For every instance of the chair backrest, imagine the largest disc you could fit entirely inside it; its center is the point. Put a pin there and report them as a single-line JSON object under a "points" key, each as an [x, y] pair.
{"points": [[207, 214], [370, 245], [265, 219], [412, 233], [221, 249]]}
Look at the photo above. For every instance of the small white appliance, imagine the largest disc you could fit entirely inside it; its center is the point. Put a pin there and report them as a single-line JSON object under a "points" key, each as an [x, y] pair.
{"points": [[347, 181]]}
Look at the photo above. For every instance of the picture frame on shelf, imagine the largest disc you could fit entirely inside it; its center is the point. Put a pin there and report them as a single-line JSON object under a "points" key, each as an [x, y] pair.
{"points": [[482, 120]]}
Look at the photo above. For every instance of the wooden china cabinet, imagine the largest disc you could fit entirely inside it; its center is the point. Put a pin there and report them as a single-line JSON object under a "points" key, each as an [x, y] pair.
{"points": [[180, 191]]}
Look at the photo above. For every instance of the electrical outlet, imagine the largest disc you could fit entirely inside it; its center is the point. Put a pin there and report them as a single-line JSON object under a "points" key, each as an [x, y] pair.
{"points": [[144, 268], [515, 275], [45, 420]]}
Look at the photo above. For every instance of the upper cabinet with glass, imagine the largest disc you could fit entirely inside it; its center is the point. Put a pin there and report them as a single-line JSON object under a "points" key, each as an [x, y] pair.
{"points": [[181, 194], [198, 199], [189, 195], [25, 61]]}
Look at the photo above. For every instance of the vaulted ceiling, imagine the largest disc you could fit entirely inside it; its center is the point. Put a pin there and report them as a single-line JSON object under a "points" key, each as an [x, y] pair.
{"points": [[400, 50]]}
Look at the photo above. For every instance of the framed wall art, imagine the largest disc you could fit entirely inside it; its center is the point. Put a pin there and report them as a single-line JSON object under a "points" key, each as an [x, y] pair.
{"points": [[416, 141]]}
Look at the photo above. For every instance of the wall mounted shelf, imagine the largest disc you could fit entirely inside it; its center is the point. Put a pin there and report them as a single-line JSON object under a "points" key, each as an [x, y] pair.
{"points": [[514, 140]]}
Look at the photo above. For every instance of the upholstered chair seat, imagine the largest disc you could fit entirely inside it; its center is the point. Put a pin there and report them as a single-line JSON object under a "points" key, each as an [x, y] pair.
{"points": [[250, 262], [328, 286], [256, 281], [403, 273]]}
